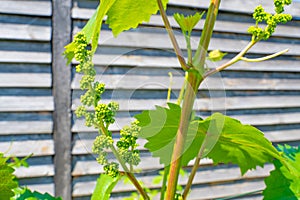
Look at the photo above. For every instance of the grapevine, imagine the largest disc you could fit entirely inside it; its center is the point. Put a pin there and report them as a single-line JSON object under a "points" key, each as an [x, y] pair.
{"points": [[178, 123]]}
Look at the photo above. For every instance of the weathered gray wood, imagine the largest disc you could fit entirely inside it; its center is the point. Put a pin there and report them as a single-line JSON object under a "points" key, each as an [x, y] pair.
{"points": [[42, 188], [24, 148], [283, 135], [23, 80], [25, 32], [25, 127], [19, 103], [212, 104], [221, 190], [141, 61], [24, 57], [29, 7], [220, 26], [237, 6], [61, 27], [92, 167], [135, 82], [161, 41], [216, 191], [256, 120], [35, 171], [202, 177]]}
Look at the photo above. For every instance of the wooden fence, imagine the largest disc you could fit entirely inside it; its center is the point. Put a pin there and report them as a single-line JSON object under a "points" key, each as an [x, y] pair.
{"points": [[39, 92]]}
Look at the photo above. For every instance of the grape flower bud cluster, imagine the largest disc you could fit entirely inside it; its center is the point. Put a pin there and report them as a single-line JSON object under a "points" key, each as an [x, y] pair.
{"points": [[127, 144], [271, 20], [103, 114]]}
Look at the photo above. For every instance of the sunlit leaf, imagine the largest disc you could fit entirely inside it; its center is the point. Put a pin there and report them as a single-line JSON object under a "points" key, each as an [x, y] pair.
{"points": [[226, 140], [7, 179], [282, 184], [187, 23], [104, 187], [126, 14], [160, 126], [239, 144]]}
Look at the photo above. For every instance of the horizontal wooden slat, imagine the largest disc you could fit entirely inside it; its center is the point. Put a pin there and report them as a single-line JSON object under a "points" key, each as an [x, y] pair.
{"points": [[24, 148], [136, 82], [203, 177], [25, 127], [220, 26], [42, 188], [255, 120], [25, 32], [283, 135], [24, 57], [83, 168], [230, 27], [233, 6], [237, 6], [83, 146], [161, 62], [212, 192], [230, 189], [33, 80], [34, 171], [161, 41], [29, 7], [21, 103], [225, 103]]}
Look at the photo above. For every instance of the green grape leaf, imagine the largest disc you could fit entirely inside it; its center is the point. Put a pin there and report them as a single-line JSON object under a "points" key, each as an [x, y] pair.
{"points": [[225, 139], [91, 30], [282, 183], [104, 187], [28, 194], [7, 179], [237, 143], [187, 23], [126, 14], [160, 126]]}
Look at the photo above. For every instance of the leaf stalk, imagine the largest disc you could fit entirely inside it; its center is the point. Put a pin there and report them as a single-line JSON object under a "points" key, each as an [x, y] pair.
{"points": [[265, 57], [232, 61], [169, 29]]}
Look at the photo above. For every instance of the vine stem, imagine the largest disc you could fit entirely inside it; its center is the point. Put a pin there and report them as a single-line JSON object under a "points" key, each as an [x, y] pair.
{"points": [[130, 175], [265, 57], [188, 102], [194, 169], [164, 183], [232, 61], [168, 27], [193, 81], [200, 55], [200, 154]]}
